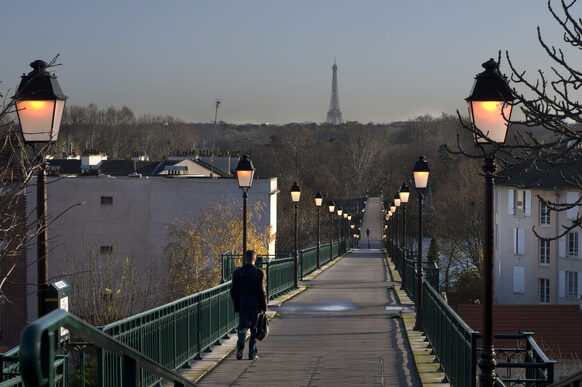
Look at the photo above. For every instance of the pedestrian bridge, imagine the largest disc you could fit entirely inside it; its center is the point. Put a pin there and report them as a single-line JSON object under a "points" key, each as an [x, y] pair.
{"points": [[347, 323]]}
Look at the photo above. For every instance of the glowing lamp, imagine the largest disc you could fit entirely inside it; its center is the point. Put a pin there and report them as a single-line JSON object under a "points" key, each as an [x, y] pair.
{"points": [[397, 200], [40, 104], [421, 172], [245, 171], [295, 193], [331, 207], [404, 193], [318, 199], [490, 104]]}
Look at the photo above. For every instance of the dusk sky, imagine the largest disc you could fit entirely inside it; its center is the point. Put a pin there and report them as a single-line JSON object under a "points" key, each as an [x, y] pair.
{"points": [[270, 61]]}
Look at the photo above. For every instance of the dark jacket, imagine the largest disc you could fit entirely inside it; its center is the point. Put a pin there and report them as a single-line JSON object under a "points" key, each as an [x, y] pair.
{"points": [[248, 290]]}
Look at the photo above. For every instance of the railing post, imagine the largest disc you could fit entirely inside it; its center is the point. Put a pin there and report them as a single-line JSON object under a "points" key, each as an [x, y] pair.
{"points": [[130, 372]]}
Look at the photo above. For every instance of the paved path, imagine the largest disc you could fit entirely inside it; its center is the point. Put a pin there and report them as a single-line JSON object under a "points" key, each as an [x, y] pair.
{"points": [[337, 333], [373, 220]]}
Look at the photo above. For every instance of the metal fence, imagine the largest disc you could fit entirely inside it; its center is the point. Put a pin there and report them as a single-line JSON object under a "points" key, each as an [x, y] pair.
{"points": [[452, 340], [170, 334], [455, 344], [173, 333], [11, 374]]}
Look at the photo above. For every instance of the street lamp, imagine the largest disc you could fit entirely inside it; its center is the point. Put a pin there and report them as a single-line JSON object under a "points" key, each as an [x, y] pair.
{"points": [[404, 195], [245, 171], [420, 173], [340, 211], [318, 203], [295, 195], [331, 207], [40, 104], [490, 104]]}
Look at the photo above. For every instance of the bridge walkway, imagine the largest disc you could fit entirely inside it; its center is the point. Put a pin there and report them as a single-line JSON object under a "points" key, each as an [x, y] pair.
{"points": [[336, 333]]}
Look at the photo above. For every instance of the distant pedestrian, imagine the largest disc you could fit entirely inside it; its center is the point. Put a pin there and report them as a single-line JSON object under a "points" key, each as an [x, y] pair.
{"points": [[368, 232], [249, 298]]}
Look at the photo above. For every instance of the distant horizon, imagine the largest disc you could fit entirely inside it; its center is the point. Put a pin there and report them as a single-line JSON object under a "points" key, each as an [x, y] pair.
{"points": [[271, 62]]}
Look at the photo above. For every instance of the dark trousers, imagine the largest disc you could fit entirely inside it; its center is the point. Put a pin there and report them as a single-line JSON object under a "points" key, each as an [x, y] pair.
{"points": [[246, 321]]}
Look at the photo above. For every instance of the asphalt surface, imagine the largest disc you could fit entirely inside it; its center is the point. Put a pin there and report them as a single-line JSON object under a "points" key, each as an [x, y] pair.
{"points": [[337, 333]]}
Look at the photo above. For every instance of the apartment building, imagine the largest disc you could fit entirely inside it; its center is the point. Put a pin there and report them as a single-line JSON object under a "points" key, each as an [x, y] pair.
{"points": [[529, 269]]}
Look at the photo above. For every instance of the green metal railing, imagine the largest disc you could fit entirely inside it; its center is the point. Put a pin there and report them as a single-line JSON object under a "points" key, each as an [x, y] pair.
{"points": [[171, 334], [455, 344], [11, 372], [38, 345], [279, 276], [308, 259], [452, 340], [524, 364]]}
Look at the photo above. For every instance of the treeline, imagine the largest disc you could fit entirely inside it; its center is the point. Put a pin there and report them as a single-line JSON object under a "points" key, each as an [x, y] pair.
{"points": [[342, 161]]}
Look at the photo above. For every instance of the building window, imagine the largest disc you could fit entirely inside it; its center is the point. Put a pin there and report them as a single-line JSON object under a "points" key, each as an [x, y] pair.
{"points": [[544, 214], [573, 244], [106, 250], [106, 200], [544, 290], [518, 241], [544, 252], [520, 203], [571, 284]]}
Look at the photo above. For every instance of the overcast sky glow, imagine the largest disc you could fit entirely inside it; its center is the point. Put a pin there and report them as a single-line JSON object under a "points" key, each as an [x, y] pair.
{"points": [[270, 60]]}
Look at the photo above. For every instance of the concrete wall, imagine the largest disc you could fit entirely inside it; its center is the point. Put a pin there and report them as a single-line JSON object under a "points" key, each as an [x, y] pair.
{"points": [[508, 264], [134, 224]]}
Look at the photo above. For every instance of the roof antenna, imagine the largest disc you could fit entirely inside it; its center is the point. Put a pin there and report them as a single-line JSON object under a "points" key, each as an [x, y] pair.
{"points": [[218, 102]]}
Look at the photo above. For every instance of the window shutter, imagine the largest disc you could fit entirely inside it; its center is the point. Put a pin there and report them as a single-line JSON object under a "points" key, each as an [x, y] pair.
{"points": [[520, 241], [518, 279], [527, 203], [572, 197], [562, 246], [562, 284], [515, 241], [510, 201], [579, 284]]}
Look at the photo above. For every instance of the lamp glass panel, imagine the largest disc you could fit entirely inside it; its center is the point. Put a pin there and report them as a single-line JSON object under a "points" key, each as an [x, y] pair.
{"points": [[490, 117], [318, 202], [339, 211], [393, 209], [295, 195], [404, 196], [420, 179], [36, 119], [331, 208], [245, 178], [397, 202]]}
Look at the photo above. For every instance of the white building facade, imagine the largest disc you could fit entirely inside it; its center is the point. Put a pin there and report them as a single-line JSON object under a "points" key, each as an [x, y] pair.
{"points": [[530, 269], [120, 216]]}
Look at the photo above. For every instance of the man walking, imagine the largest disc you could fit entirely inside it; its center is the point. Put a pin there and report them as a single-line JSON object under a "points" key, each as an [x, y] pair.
{"points": [[249, 298]]}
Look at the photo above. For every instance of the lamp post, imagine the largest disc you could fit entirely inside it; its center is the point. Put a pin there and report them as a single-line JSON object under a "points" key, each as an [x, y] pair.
{"points": [[245, 171], [340, 211], [420, 173], [404, 195], [490, 104], [318, 203], [295, 195], [331, 208], [40, 104]]}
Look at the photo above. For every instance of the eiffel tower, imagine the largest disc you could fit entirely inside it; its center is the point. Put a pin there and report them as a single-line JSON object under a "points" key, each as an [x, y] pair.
{"points": [[334, 115]]}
